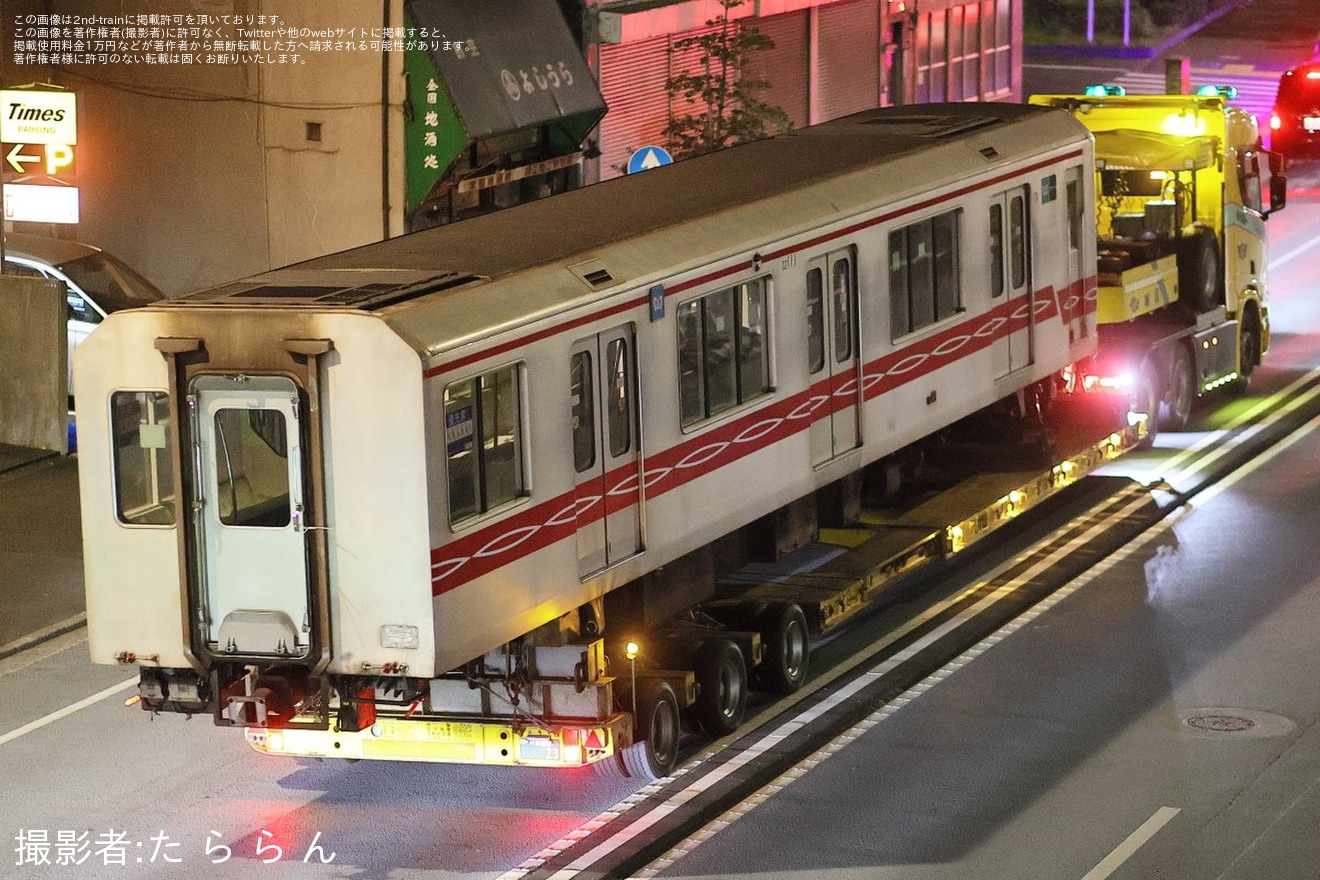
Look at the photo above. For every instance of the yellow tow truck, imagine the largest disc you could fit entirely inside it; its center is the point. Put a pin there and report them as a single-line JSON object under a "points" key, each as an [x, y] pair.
{"points": [[1182, 191]]}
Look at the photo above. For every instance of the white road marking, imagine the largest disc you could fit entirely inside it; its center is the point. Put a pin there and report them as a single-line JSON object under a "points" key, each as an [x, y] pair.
{"points": [[1293, 254], [67, 710], [1135, 841]]}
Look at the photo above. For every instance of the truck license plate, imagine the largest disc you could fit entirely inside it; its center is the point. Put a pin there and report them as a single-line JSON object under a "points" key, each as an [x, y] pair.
{"points": [[1311, 123]]}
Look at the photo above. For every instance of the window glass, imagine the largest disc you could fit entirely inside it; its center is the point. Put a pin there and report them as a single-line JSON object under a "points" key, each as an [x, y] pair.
{"points": [[723, 335], [483, 442], [692, 399], [753, 363], [996, 250], [140, 425], [1074, 196], [921, 274], [582, 411], [900, 309], [619, 414], [721, 369], [815, 321], [944, 230], [1017, 231], [841, 290], [252, 475]]}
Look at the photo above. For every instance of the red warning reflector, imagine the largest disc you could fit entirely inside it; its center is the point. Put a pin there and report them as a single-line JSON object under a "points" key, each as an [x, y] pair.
{"points": [[594, 741]]}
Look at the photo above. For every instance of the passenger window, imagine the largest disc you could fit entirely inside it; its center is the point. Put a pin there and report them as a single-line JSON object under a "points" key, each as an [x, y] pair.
{"points": [[925, 283], [723, 356], [996, 250], [1017, 231], [140, 428], [483, 442], [583, 411]]}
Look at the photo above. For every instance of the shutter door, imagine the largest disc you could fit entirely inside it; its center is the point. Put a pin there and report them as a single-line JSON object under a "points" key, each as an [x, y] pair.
{"points": [[850, 58], [785, 66], [632, 81]]}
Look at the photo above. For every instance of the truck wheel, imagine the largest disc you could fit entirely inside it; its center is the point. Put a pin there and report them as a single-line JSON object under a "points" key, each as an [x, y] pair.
{"points": [[1248, 353], [1198, 271], [785, 647], [655, 752], [721, 687], [1176, 410]]}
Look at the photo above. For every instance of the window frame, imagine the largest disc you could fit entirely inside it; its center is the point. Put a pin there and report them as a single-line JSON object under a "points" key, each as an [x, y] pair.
{"points": [[695, 403], [163, 492], [919, 281], [482, 423]]}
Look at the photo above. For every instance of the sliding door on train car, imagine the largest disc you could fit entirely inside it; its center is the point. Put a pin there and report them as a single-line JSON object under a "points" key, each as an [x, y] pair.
{"points": [[833, 360], [251, 538], [603, 385], [1010, 280]]}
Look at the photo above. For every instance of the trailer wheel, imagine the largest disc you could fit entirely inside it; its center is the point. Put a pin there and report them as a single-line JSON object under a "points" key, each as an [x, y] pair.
{"points": [[655, 753], [721, 687], [1198, 271], [1180, 393], [786, 648], [1248, 352]]}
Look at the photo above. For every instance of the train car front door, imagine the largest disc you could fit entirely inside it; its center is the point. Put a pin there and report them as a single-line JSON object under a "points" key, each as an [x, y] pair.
{"points": [[832, 356], [249, 520], [603, 387]]}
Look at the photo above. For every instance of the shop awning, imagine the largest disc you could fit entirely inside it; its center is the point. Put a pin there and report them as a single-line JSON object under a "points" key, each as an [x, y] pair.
{"points": [[510, 65]]}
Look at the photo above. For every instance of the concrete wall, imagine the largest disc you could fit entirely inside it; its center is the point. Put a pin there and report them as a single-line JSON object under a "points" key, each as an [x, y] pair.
{"points": [[33, 363]]}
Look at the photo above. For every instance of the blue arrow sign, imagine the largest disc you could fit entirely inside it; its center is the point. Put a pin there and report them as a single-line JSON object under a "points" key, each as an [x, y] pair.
{"points": [[648, 157]]}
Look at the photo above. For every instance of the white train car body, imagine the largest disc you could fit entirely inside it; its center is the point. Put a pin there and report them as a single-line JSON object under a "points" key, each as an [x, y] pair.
{"points": [[385, 464]]}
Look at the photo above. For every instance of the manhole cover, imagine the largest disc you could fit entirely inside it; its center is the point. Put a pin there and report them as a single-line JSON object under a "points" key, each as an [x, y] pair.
{"points": [[1221, 723]]}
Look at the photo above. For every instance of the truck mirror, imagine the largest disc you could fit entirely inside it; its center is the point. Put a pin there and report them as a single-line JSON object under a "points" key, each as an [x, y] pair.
{"points": [[1278, 193]]}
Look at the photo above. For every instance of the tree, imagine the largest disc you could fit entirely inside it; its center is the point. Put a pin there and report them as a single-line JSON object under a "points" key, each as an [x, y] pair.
{"points": [[722, 96]]}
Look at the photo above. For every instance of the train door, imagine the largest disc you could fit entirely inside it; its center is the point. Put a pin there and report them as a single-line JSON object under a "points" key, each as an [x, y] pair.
{"points": [[1076, 314], [832, 357], [603, 387], [248, 514], [1010, 279]]}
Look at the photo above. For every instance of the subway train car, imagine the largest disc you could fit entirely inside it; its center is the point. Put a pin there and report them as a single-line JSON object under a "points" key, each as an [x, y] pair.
{"points": [[412, 500]]}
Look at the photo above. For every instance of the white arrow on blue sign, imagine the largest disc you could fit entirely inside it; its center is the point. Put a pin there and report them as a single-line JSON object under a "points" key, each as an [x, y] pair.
{"points": [[648, 157]]}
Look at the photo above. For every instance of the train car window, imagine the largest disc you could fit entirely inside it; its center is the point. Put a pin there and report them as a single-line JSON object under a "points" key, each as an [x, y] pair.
{"points": [[948, 290], [900, 311], [815, 320], [1017, 237], [583, 411], [619, 414], [721, 368], [722, 352], [1075, 212], [144, 479], [692, 398], [996, 250], [253, 475], [483, 442], [925, 283], [841, 284]]}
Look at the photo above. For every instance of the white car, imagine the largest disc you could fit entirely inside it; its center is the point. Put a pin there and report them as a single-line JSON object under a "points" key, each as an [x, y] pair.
{"points": [[97, 282]]}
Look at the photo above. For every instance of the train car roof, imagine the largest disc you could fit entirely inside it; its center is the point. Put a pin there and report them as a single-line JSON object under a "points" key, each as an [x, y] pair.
{"points": [[435, 286]]}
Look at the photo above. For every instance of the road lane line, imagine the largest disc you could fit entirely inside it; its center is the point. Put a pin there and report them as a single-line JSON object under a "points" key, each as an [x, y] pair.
{"points": [[1135, 841], [1292, 254], [67, 710]]}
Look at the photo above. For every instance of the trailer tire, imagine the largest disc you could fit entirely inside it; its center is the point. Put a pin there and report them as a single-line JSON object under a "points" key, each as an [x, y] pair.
{"points": [[655, 754], [721, 687], [785, 646], [1179, 392], [1199, 278]]}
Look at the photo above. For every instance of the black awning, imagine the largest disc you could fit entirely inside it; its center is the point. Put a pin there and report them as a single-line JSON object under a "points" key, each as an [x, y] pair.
{"points": [[510, 64]]}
